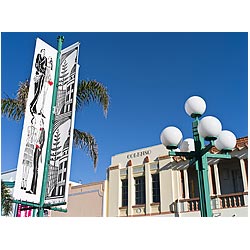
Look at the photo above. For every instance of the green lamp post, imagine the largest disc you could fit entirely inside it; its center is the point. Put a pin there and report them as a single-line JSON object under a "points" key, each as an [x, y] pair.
{"points": [[194, 149], [60, 40]]}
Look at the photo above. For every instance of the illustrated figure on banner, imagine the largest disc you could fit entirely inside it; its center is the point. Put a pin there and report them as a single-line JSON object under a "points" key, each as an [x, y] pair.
{"points": [[31, 159], [37, 156], [47, 79], [29, 152], [40, 65]]}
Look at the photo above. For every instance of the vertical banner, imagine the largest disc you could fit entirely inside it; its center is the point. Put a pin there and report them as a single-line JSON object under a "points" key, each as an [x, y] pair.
{"points": [[32, 151], [61, 149], [23, 211]]}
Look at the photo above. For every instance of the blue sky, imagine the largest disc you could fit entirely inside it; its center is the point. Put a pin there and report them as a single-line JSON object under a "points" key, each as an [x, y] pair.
{"points": [[149, 76]]}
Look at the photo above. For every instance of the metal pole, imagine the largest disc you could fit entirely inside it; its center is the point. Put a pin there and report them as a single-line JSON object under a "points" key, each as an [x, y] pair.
{"points": [[207, 212], [51, 124], [202, 172]]}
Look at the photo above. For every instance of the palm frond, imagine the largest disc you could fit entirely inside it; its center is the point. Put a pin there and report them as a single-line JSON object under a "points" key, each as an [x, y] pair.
{"points": [[92, 91], [87, 92], [23, 91], [86, 141], [15, 108], [11, 108]]}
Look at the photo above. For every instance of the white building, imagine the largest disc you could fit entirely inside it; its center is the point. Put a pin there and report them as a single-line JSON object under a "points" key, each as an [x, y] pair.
{"points": [[148, 182]]}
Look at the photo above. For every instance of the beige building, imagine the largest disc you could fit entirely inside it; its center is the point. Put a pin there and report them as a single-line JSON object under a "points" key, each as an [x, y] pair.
{"points": [[85, 200], [147, 182]]}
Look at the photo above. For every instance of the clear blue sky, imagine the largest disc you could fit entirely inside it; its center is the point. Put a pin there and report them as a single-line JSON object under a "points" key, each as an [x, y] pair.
{"points": [[149, 76]]}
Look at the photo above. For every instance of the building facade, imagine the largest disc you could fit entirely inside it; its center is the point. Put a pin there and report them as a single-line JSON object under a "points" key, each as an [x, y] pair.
{"points": [[147, 182]]}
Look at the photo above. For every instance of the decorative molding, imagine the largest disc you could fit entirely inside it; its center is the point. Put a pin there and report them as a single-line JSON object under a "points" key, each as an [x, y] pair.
{"points": [[151, 214], [99, 191], [146, 159], [129, 163], [139, 206], [122, 208], [163, 157], [154, 166], [87, 192], [124, 172], [138, 169], [114, 167], [155, 204]]}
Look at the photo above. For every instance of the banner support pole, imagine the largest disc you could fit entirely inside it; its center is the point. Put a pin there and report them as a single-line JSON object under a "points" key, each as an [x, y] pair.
{"points": [[60, 40]]}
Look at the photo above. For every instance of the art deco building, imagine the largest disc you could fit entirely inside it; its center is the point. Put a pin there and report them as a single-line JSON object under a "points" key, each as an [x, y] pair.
{"points": [[148, 182]]}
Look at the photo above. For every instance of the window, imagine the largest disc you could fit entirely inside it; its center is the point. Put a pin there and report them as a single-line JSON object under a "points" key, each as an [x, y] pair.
{"points": [[140, 190], [182, 184], [193, 182], [156, 187], [230, 176], [125, 193]]}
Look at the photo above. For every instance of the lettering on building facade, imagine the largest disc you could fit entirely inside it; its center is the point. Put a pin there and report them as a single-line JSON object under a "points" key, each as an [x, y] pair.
{"points": [[138, 154]]}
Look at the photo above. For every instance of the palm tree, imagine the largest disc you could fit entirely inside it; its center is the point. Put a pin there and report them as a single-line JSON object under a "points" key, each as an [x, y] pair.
{"points": [[87, 92], [6, 200]]}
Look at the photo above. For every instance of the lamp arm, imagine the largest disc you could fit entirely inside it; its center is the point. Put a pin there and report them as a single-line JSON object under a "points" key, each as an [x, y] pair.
{"points": [[188, 155], [58, 209], [55, 204], [207, 148]]}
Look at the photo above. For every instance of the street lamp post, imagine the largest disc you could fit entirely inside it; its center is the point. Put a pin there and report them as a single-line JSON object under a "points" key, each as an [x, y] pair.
{"points": [[194, 149]]}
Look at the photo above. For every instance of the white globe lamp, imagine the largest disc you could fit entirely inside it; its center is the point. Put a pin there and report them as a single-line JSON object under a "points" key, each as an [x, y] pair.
{"points": [[195, 106], [226, 141], [171, 137], [209, 128]]}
